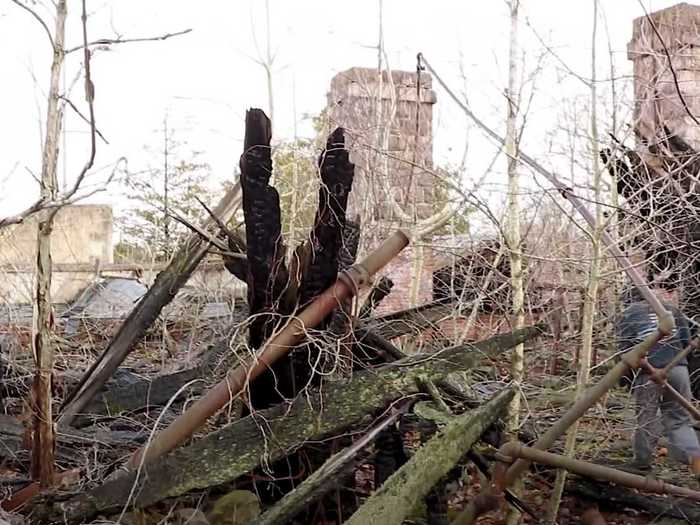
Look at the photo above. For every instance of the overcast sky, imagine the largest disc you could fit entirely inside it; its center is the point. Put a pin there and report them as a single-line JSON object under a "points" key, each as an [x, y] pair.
{"points": [[206, 79]]}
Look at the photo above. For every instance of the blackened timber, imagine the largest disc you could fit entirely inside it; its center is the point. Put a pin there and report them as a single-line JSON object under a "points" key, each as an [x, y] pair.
{"points": [[326, 239], [376, 295], [614, 497], [265, 250]]}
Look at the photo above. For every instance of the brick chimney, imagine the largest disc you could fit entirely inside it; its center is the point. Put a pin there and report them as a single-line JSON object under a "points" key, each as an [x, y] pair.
{"points": [[657, 103]]}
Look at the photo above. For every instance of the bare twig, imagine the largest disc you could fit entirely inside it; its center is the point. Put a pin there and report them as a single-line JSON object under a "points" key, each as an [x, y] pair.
{"points": [[85, 119], [39, 19], [110, 41]]}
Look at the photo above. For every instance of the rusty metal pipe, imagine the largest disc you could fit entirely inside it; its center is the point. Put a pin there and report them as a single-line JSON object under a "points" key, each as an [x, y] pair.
{"points": [[278, 346], [631, 360], [659, 377], [514, 450], [679, 357]]}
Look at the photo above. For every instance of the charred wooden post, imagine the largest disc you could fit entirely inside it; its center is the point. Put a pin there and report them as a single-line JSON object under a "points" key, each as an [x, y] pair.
{"points": [[279, 346], [340, 321], [326, 240], [376, 295], [267, 273], [167, 284], [332, 246]]}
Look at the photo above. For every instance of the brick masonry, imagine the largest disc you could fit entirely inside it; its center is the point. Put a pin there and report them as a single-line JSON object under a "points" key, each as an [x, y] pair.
{"points": [[657, 103], [389, 122]]}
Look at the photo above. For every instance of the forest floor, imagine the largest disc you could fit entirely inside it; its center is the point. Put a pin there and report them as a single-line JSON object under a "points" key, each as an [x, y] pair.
{"points": [[604, 435]]}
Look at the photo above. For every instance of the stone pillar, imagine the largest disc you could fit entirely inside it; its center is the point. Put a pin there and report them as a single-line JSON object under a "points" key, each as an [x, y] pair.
{"points": [[657, 103], [389, 124], [389, 120]]}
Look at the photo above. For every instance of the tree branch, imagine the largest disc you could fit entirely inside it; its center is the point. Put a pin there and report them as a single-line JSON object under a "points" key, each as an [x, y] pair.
{"points": [[110, 41], [39, 19]]}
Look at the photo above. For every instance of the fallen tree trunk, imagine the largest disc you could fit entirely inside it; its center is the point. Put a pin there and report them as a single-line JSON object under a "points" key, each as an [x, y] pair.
{"points": [[324, 479], [271, 434], [616, 498], [158, 391], [167, 284], [410, 321], [412, 482]]}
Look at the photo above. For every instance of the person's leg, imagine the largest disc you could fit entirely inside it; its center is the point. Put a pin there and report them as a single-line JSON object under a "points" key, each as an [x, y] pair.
{"points": [[683, 442], [646, 403]]}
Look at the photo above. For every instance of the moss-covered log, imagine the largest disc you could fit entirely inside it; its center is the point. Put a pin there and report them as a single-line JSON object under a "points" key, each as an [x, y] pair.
{"points": [[271, 434], [324, 479], [413, 481]]}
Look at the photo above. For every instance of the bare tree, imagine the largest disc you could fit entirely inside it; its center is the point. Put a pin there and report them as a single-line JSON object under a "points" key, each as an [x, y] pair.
{"points": [[512, 230], [42, 330], [591, 296]]}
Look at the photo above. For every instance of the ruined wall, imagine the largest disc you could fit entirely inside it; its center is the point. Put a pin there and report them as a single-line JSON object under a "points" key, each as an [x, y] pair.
{"points": [[82, 234], [389, 120], [389, 123], [657, 103]]}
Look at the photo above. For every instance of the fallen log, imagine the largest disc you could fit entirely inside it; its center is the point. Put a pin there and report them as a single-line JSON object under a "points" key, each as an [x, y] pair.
{"points": [[70, 443], [158, 391], [323, 479], [271, 434], [412, 482], [167, 284], [615, 497], [410, 321]]}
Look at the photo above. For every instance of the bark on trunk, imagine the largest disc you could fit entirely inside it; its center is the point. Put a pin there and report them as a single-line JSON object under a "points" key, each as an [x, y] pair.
{"points": [[271, 434], [513, 235], [412, 482], [43, 439]]}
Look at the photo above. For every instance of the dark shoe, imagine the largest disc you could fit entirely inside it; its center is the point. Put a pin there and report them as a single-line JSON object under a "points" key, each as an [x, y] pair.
{"points": [[637, 466]]}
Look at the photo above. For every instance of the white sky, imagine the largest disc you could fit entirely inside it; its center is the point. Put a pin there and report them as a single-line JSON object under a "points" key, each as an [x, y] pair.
{"points": [[205, 80]]}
